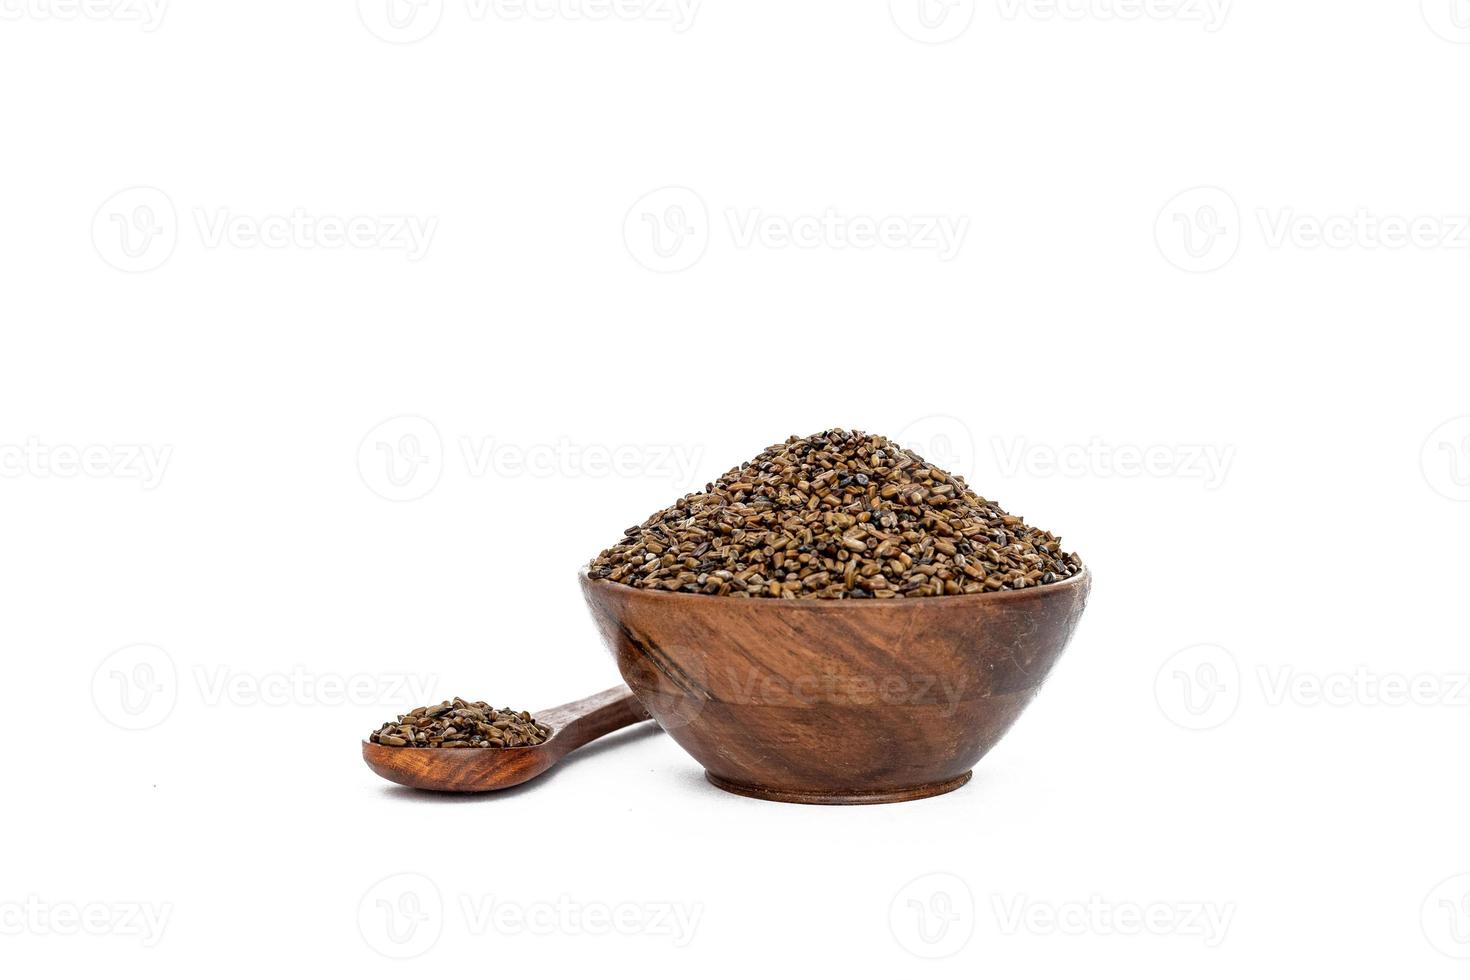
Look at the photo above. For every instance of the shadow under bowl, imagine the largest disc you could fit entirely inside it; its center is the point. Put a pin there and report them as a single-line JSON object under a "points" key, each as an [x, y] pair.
{"points": [[836, 701]]}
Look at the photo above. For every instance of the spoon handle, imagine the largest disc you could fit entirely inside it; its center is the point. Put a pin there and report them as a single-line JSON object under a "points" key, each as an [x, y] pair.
{"points": [[579, 722]]}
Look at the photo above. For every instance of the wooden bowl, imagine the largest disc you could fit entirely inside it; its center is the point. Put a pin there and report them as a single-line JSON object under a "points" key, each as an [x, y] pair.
{"points": [[837, 701]]}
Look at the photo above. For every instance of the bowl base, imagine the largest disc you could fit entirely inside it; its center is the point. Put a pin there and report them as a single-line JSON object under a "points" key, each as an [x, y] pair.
{"points": [[844, 798]]}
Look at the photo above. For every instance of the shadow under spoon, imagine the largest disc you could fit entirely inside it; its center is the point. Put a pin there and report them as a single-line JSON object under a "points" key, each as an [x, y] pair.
{"points": [[457, 770]]}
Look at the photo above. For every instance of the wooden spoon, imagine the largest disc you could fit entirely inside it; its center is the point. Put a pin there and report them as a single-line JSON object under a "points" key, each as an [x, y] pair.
{"points": [[481, 770]]}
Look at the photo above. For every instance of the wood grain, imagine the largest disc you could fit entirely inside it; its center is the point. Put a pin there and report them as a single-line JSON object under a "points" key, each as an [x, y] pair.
{"points": [[482, 770], [840, 701]]}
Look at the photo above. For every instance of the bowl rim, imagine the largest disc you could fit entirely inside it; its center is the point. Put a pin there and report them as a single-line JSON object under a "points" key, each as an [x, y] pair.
{"points": [[1070, 583]]}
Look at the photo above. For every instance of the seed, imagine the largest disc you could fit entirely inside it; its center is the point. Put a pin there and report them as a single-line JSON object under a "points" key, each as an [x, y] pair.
{"points": [[461, 724], [803, 520]]}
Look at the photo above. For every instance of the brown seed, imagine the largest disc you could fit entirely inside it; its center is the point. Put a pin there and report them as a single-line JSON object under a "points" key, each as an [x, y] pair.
{"points": [[456, 724], [807, 519]]}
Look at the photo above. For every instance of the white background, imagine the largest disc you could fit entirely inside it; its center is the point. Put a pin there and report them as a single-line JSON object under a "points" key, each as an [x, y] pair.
{"points": [[1100, 308]]}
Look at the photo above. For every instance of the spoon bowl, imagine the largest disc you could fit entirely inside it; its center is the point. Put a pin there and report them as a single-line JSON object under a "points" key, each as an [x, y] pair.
{"points": [[459, 770]]}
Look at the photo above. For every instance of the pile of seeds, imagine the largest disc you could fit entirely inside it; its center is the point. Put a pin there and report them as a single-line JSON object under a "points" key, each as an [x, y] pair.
{"points": [[461, 724], [837, 515]]}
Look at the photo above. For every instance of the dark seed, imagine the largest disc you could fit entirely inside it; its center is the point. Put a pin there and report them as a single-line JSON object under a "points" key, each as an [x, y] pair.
{"points": [[457, 724], [803, 520]]}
